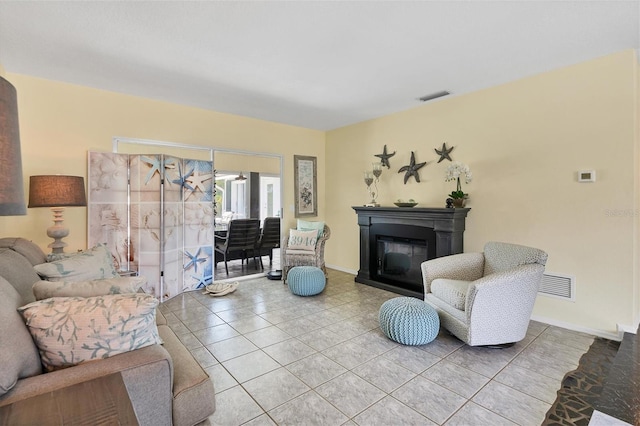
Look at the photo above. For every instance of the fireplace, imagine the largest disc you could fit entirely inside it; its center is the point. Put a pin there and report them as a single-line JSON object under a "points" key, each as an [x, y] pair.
{"points": [[395, 241], [396, 252]]}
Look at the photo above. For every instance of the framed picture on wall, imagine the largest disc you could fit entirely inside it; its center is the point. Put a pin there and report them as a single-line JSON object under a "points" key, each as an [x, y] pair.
{"points": [[305, 175]]}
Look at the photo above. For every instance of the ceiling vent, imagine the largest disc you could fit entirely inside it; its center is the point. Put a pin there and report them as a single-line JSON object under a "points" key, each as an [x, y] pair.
{"points": [[431, 96], [558, 286]]}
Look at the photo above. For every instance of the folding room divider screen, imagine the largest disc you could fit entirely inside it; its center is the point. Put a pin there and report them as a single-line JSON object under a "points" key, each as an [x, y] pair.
{"points": [[155, 213]]}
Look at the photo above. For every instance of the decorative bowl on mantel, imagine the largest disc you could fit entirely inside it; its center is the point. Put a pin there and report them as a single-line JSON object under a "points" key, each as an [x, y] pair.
{"points": [[406, 204]]}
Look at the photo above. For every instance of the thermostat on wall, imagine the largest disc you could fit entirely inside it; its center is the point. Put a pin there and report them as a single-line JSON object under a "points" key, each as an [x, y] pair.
{"points": [[587, 176]]}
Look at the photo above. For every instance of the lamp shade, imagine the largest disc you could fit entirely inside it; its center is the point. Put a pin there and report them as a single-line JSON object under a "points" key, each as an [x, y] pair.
{"points": [[56, 191], [11, 181]]}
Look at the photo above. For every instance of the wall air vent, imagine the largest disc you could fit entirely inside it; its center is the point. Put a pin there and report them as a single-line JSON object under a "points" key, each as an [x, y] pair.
{"points": [[558, 286], [431, 96]]}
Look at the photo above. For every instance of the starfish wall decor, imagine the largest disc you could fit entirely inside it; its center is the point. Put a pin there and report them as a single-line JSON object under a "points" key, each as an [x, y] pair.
{"points": [[444, 152], [412, 169], [384, 157]]}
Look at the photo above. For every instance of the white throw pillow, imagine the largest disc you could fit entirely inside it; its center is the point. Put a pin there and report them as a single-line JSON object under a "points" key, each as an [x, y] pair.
{"points": [[120, 285], [306, 225], [92, 264], [72, 330], [302, 240]]}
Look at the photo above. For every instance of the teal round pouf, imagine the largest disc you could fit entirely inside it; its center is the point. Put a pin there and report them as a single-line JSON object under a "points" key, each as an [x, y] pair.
{"points": [[306, 280], [409, 321]]}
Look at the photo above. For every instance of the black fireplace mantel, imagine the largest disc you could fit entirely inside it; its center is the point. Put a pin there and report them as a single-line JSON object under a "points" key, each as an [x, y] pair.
{"points": [[448, 225]]}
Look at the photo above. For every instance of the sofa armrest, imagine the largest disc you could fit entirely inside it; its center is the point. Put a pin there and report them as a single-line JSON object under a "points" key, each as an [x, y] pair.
{"points": [[463, 266], [147, 374]]}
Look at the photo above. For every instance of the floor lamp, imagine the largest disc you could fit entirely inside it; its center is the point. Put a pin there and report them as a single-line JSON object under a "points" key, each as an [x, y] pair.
{"points": [[11, 182], [57, 192]]}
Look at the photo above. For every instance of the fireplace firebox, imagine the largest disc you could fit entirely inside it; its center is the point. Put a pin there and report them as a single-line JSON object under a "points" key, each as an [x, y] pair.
{"points": [[395, 241]]}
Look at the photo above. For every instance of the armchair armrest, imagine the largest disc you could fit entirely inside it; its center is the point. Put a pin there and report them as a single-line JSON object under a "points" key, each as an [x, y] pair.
{"points": [[463, 266], [503, 298]]}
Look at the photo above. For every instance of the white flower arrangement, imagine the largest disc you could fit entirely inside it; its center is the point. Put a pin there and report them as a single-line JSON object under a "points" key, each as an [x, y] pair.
{"points": [[454, 171]]}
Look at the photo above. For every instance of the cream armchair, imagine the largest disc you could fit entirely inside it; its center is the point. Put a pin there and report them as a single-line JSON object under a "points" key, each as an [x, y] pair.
{"points": [[291, 258], [485, 299]]}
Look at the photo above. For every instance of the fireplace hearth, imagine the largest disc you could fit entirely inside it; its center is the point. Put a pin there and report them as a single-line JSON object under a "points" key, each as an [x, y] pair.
{"points": [[395, 241]]}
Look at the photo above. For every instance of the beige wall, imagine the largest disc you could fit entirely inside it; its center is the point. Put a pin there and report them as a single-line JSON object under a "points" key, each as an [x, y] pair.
{"points": [[524, 142], [60, 122]]}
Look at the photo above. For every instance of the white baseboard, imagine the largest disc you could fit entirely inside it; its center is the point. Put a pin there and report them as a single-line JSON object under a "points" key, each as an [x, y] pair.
{"points": [[625, 328], [341, 269], [219, 278], [574, 327]]}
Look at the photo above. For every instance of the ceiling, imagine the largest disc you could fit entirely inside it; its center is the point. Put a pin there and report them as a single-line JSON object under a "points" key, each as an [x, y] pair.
{"points": [[315, 64]]}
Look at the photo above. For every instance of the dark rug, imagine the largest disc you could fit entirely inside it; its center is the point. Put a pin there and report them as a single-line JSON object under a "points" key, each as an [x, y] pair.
{"points": [[582, 387]]}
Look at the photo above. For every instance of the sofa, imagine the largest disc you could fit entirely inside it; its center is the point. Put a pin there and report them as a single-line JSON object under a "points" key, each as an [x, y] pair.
{"points": [[165, 383]]}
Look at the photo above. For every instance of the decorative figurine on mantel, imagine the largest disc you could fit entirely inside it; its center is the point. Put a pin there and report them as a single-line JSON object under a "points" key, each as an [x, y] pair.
{"points": [[412, 169], [444, 152], [384, 157], [449, 203], [372, 178]]}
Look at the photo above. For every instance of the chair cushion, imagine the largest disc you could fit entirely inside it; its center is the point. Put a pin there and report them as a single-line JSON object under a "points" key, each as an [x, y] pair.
{"points": [[18, 354], [302, 240], [72, 330], [453, 292], [500, 257], [92, 264], [120, 285]]}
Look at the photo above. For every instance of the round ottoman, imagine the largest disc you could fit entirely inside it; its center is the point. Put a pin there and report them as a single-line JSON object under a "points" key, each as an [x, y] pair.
{"points": [[409, 321], [306, 280]]}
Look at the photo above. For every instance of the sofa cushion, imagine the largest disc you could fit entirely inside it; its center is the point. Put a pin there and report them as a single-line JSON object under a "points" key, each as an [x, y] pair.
{"points": [[28, 249], [193, 392], [302, 240], [18, 355], [120, 285], [72, 330], [453, 292], [16, 269], [93, 264]]}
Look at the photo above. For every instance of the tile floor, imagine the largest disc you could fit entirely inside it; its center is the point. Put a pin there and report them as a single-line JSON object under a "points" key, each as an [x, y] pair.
{"points": [[276, 358]]}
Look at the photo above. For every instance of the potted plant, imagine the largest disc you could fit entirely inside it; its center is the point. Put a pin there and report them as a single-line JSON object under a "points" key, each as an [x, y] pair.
{"points": [[454, 171]]}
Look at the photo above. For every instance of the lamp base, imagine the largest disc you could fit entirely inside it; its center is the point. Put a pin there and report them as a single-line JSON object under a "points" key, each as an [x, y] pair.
{"points": [[57, 231]]}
